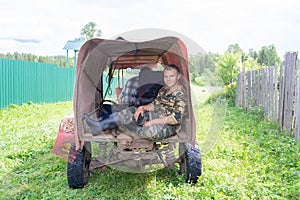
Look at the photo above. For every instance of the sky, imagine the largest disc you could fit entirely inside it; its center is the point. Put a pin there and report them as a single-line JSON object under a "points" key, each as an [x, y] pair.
{"points": [[42, 27]]}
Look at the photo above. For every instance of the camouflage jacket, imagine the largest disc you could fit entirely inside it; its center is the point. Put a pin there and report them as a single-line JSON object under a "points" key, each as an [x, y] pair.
{"points": [[172, 105]]}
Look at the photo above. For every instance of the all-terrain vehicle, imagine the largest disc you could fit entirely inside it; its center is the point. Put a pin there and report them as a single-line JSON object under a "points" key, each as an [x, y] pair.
{"points": [[103, 67]]}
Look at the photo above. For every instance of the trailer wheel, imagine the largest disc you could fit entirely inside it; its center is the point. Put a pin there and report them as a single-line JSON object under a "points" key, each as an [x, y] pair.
{"points": [[191, 163], [78, 166]]}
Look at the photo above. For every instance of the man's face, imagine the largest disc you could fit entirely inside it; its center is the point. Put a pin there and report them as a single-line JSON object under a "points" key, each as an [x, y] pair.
{"points": [[171, 77]]}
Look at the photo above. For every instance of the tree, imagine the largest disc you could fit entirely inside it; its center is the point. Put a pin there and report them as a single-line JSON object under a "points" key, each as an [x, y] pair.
{"points": [[252, 53], [236, 49], [251, 64], [89, 31], [228, 69], [263, 56], [268, 56], [273, 56]]}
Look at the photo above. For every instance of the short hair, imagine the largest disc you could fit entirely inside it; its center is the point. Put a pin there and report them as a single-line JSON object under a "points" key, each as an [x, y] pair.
{"points": [[172, 66]]}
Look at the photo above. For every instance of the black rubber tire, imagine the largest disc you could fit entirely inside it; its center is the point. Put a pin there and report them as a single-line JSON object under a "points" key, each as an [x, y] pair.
{"points": [[78, 170], [191, 163]]}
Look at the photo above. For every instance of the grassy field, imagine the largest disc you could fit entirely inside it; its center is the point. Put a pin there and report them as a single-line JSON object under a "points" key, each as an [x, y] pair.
{"points": [[248, 159]]}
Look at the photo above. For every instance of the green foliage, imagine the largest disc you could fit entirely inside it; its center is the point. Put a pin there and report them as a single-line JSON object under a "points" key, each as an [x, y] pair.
{"points": [[228, 67], [227, 93], [230, 91], [207, 79], [89, 31], [199, 65], [251, 64], [235, 48], [268, 56], [252, 159], [253, 54], [200, 81]]}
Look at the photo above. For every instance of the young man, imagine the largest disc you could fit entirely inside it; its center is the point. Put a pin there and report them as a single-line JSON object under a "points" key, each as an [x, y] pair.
{"points": [[167, 112]]}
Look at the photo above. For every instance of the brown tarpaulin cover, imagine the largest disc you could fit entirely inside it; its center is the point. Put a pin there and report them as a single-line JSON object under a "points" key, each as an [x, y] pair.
{"points": [[98, 54]]}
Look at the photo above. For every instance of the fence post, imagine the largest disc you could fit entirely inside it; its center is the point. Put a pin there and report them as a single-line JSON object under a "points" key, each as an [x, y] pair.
{"points": [[244, 90], [271, 93], [297, 104], [238, 91], [255, 91], [289, 90], [281, 97], [275, 85], [250, 89]]}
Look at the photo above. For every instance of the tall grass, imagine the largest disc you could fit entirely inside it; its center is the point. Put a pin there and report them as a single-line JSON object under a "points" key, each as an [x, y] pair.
{"points": [[252, 159]]}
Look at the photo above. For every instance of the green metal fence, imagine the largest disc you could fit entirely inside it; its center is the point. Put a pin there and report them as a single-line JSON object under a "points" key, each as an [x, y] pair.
{"points": [[24, 82]]}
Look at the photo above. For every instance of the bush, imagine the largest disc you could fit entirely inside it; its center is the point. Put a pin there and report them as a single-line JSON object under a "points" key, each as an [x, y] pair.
{"points": [[228, 95]]}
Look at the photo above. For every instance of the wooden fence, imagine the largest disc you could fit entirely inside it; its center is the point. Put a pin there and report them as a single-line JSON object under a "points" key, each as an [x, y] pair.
{"points": [[276, 91]]}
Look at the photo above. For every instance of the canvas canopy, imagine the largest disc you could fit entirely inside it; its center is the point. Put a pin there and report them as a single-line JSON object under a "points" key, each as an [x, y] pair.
{"points": [[98, 54]]}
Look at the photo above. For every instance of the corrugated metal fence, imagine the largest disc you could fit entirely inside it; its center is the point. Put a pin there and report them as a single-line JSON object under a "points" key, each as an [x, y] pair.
{"points": [[23, 82], [277, 94]]}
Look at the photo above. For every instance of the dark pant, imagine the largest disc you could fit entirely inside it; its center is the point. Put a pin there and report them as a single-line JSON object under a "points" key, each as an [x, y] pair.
{"points": [[154, 132]]}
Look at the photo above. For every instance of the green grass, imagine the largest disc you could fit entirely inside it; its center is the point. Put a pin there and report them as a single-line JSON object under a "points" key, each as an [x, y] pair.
{"points": [[249, 159]]}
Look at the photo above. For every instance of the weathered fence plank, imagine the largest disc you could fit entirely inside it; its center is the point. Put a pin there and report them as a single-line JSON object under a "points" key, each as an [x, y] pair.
{"points": [[289, 91], [244, 82], [238, 98], [297, 109], [275, 85], [281, 99]]}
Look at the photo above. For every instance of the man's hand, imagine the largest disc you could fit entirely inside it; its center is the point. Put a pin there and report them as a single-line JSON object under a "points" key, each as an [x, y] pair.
{"points": [[162, 120], [139, 111], [148, 123]]}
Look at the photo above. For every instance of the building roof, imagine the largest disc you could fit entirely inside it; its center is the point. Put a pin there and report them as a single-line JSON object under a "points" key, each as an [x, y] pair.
{"points": [[74, 44]]}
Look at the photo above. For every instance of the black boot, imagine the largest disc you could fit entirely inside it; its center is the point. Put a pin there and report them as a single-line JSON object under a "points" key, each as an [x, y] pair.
{"points": [[97, 127]]}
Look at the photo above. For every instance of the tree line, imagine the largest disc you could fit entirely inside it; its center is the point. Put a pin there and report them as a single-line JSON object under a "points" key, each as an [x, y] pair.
{"points": [[57, 60], [228, 64], [211, 68]]}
